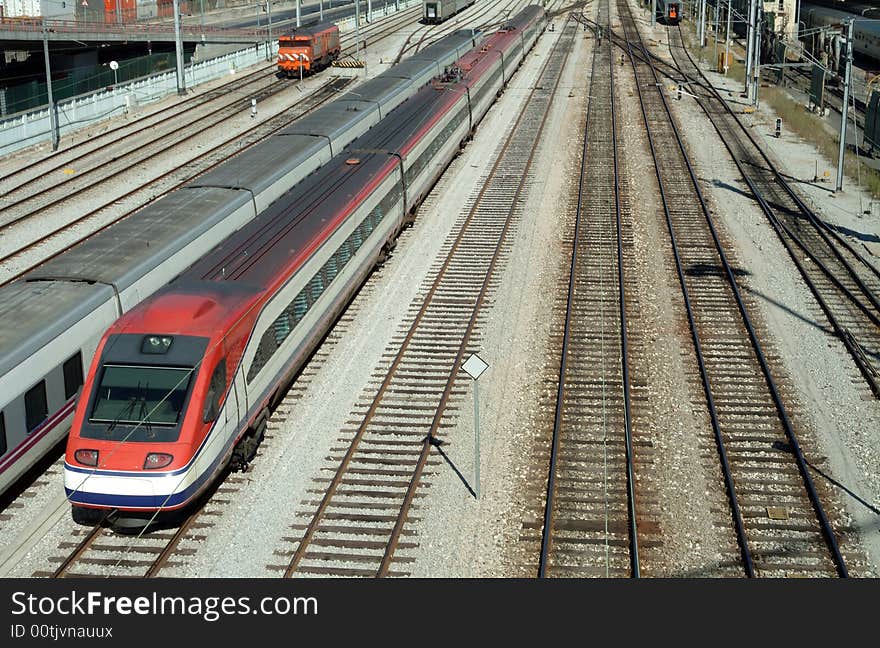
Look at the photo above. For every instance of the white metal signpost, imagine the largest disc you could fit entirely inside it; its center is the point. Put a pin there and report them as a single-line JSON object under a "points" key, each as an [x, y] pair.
{"points": [[474, 367]]}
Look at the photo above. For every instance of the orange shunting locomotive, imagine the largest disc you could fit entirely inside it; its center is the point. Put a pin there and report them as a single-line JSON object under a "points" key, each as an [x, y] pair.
{"points": [[308, 49]]}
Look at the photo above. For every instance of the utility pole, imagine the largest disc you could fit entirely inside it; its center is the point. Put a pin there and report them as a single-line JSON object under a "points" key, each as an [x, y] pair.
{"points": [[357, 28], [320, 10], [750, 46], [653, 13], [756, 66], [53, 117], [847, 80], [178, 50], [715, 34], [369, 11], [702, 23], [298, 2], [727, 37], [269, 30]]}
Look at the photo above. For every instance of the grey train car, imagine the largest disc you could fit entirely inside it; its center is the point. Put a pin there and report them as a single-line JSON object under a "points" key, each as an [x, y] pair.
{"points": [[52, 318], [437, 11]]}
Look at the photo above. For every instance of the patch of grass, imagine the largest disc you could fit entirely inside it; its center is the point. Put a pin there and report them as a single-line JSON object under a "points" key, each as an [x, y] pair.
{"points": [[811, 128], [797, 119]]}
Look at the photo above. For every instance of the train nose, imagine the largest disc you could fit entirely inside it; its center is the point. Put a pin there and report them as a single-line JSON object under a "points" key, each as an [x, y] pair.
{"points": [[84, 487]]}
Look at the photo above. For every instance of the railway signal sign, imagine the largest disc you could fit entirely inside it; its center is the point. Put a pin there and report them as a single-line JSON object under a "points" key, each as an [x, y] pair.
{"points": [[474, 367]]}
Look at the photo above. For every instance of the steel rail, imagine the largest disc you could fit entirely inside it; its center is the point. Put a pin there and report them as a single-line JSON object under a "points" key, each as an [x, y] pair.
{"points": [[113, 133], [341, 471], [385, 565], [785, 233], [172, 139], [727, 473], [547, 532], [827, 531], [321, 96], [197, 100], [81, 548]]}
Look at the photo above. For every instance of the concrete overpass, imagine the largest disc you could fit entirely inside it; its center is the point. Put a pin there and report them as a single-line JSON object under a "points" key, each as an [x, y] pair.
{"points": [[20, 33]]}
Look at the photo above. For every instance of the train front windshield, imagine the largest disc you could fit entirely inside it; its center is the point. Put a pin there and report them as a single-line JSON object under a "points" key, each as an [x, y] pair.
{"points": [[142, 395]]}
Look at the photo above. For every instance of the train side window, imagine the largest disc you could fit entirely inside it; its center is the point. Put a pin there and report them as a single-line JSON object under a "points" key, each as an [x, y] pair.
{"points": [[316, 287], [35, 406], [281, 327], [3, 447], [300, 306], [73, 374], [216, 389], [344, 253], [330, 270]]}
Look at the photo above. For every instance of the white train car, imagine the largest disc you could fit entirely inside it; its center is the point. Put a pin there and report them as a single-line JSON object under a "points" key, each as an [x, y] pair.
{"points": [[437, 11]]}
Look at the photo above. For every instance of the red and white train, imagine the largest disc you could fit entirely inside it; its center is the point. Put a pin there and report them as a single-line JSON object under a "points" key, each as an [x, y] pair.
{"points": [[181, 386]]}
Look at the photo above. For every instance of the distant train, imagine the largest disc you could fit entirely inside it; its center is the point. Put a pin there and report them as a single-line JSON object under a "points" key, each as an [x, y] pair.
{"points": [[52, 319], [181, 386], [866, 32], [436, 11], [669, 11], [308, 49]]}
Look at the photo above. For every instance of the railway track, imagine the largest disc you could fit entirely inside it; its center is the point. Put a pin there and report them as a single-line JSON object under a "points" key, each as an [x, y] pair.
{"points": [[846, 286], [590, 523], [30, 173], [470, 15], [359, 523], [781, 524], [31, 204], [53, 238], [100, 552], [104, 145]]}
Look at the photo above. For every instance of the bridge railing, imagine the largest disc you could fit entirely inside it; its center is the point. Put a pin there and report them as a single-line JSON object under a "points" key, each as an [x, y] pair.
{"points": [[36, 25]]}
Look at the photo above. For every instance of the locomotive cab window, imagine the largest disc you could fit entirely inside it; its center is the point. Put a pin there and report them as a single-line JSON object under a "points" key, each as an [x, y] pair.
{"points": [[136, 395], [73, 374], [35, 406], [216, 389]]}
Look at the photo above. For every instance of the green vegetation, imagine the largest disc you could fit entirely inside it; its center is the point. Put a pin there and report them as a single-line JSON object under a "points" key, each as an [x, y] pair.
{"points": [[806, 125]]}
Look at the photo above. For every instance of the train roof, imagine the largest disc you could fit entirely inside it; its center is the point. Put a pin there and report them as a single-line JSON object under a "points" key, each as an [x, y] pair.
{"points": [[451, 47], [478, 59], [418, 69], [189, 307], [259, 167], [382, 90], [294, 226], [524, 17], [411, 118], [32, 314], [127, 250], [334, 119]]}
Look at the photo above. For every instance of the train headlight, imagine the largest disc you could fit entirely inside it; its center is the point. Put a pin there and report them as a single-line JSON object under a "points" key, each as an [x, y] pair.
{"points": [[156, 344], [156, 460], [86, 457]]}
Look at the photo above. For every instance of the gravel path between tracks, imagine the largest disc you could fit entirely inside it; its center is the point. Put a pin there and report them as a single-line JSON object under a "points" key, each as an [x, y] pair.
{"points": [[245, 539], [689, 482], [462, 537], [833, 399]]}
